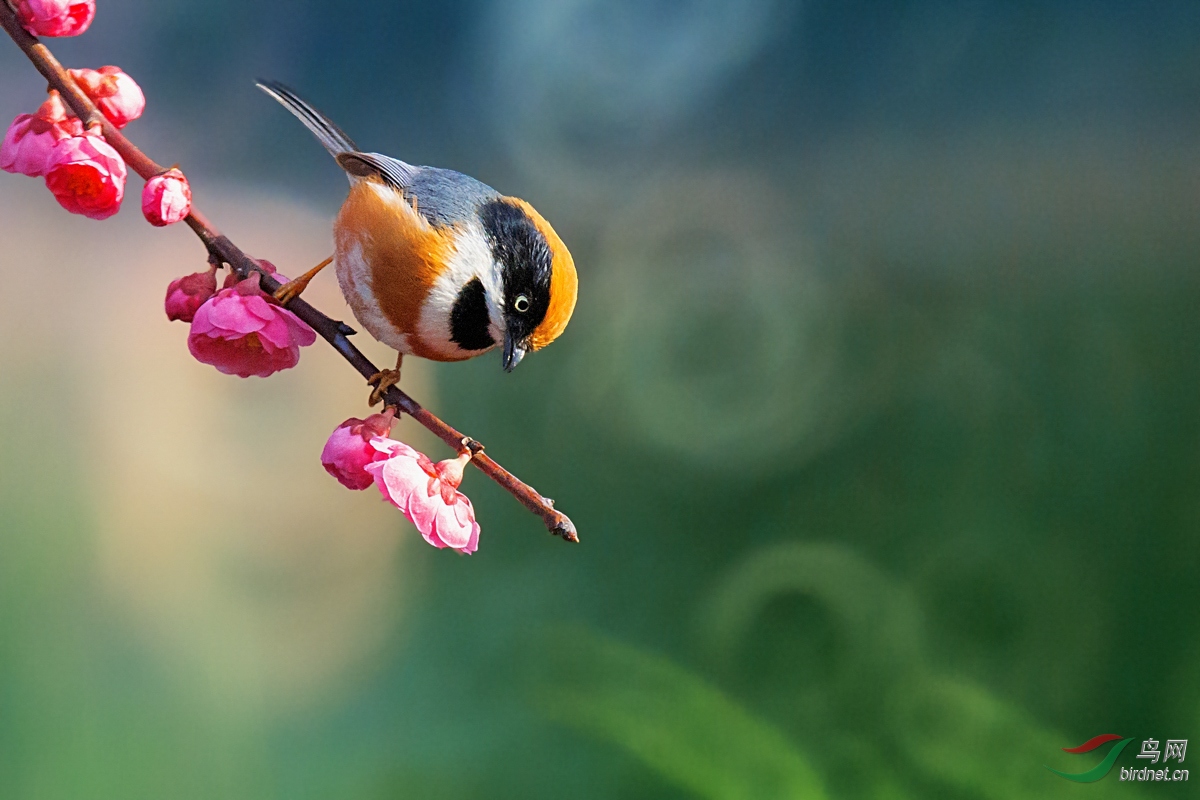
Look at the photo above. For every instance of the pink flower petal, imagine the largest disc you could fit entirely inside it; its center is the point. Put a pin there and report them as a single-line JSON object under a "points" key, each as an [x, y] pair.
{"points": [[473, 542], [229, 314], [226, 334], [450, 530], [25, 151], [257, 305], [401, 479], [86, 176], [404, 479], [422, 510], [302, 334]]}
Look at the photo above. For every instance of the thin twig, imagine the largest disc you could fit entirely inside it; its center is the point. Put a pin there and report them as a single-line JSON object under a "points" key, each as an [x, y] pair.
{"points": [[224, 251]]}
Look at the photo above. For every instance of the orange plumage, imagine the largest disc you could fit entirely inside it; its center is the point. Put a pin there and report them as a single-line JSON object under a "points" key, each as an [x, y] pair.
{"points": [[436, 264]]}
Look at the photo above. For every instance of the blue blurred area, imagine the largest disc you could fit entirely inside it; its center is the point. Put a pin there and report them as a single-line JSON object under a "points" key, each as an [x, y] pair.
{"points": [[877, 416]]}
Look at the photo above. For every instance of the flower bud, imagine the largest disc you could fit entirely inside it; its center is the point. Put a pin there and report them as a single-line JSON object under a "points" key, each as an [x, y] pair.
{"points": [[56, 17], [166, 198], [185, 295], [116, 94], [349, 450]]}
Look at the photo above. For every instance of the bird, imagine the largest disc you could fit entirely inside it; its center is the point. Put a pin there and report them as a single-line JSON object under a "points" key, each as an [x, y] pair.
{"points": [[434, 263]]}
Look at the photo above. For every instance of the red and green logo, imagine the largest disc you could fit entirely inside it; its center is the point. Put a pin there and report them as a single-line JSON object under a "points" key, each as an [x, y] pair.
{"points": [[1100, 770]]}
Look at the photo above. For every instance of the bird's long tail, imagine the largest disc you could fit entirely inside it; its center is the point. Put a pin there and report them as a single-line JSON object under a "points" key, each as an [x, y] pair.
{"points": [[329, 134]]}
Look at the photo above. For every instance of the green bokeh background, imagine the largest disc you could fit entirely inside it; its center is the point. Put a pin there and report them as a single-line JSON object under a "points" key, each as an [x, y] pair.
{"points": [[877, 417]]}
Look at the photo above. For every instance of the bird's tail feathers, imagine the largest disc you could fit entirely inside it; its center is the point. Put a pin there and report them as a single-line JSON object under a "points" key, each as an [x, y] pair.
{"points": [[329, 134]]}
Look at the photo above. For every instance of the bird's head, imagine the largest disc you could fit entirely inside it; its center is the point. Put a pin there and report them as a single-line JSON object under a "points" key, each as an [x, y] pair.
{"points": [[537, 276]]}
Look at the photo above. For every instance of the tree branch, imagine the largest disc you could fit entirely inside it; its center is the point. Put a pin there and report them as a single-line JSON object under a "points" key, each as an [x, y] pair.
{"points": [[224, 251]]}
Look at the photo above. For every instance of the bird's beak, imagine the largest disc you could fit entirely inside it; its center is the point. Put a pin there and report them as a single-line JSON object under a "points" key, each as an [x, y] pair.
{"points": [[513, 353]]}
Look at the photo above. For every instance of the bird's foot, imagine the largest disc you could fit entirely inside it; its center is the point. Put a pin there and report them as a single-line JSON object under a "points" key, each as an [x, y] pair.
{"points": [[384, 380], [292, 289]]}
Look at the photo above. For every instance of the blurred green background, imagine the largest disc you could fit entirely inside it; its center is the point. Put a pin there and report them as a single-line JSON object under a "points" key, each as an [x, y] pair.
{"points": [[877, 416]]}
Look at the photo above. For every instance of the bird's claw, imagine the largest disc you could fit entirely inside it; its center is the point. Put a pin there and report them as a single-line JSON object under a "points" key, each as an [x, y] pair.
{"points": [[382, 381], [292, 289], [289, 292]]}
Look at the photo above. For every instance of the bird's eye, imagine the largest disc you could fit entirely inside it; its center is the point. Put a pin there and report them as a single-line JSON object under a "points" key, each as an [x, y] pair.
{"points": [[521, 304]]}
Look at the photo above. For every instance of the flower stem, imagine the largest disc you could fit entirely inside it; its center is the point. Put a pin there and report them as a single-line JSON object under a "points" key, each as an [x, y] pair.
{"points": [[223, 251]]}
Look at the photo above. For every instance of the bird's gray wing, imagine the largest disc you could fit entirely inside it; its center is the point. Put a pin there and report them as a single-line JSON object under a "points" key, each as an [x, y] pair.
{"points": [[445, 197]]}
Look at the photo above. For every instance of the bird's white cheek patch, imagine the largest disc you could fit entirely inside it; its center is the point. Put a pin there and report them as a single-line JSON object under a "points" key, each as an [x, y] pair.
{"points": [[471, 259], [354, 276]]}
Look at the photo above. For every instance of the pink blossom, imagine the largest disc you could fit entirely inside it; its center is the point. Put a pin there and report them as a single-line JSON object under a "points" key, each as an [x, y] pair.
{"points": [[116, 94], [31, 137], [86, 176], [24, 150], [242, 331], [427, 493], [166, 198], [56, 17], [185, 295], [349, 449]]}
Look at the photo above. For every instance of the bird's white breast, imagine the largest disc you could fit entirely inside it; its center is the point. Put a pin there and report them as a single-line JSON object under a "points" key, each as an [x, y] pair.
{"points": [[380, 236], [470, 259], [354, 277]]}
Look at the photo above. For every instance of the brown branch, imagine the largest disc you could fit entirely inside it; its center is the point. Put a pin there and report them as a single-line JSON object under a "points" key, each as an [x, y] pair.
{"points": [[224, 251]]}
